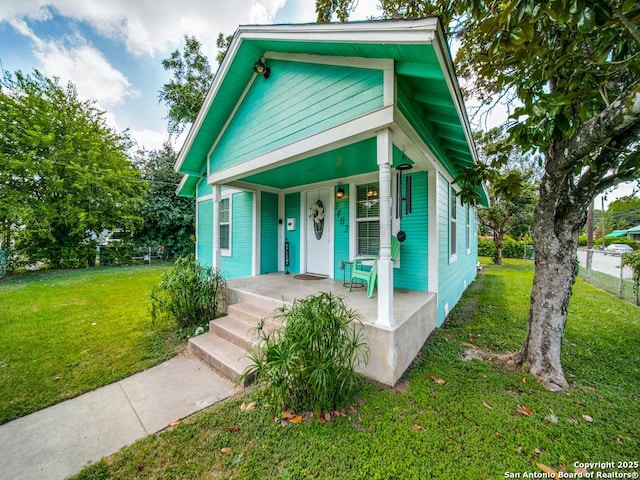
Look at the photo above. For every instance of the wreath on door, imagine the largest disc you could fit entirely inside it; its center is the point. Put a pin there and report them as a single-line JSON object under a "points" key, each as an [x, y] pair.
{"points": [[317, 215]]}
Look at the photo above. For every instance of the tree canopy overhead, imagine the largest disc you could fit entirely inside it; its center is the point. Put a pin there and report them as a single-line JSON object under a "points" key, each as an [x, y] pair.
{"points": [[192, 77], [571, 69], [64, 174]]}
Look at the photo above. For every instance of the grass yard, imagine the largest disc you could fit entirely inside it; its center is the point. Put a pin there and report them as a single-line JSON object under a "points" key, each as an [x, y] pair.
{"points": [[63, 333], [483, 423]]}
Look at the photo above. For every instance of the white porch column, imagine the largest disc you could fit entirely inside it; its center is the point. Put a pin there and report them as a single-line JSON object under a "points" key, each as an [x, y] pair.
{"points": [[216, 258], [385, 265]]}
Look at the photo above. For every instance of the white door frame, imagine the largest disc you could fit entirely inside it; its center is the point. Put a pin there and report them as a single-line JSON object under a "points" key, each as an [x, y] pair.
{"points": [[328, 228]]}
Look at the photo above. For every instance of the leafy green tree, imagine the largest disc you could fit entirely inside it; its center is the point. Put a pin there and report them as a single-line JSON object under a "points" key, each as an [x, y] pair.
{"points": [[167, 220], [65, 174], [326, 9], [508, 215], [192, 77], [223, 43], [623, 213], [572, 68]]}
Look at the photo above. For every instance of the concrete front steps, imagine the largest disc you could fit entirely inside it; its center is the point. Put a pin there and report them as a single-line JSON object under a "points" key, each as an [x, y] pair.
{"points": [[230, 338]]}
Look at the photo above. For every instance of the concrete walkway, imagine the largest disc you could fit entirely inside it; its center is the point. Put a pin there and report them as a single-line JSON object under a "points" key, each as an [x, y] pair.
{"points": [[58, 441]]}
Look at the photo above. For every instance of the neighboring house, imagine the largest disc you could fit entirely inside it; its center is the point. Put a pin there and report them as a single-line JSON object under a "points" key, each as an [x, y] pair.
{"points": [[342, 110], [632, 233]]}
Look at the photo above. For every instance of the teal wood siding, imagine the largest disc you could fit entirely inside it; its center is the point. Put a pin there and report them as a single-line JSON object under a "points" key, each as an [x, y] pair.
{"points": [[203, 188], [204, 243], [414, 266], [239, 264], [269, 233], [296, 101], [292, 210], [453, 276], [341, 236]]}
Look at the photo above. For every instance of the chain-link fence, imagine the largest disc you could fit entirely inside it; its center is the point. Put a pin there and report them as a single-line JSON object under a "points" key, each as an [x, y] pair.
{"points": [[603, 270]]}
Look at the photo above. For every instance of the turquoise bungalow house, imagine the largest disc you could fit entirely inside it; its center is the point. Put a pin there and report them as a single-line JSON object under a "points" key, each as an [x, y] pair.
{"points": [[319, 142]]}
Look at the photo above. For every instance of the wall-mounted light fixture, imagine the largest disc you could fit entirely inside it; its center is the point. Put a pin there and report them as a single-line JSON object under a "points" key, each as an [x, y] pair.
{"points": [[407, 190], [340, 191], [260, 67]]}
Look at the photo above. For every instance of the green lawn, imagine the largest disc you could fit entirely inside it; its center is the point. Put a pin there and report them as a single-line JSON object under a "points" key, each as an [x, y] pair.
{"points": [[469, 428], [63, 333]]}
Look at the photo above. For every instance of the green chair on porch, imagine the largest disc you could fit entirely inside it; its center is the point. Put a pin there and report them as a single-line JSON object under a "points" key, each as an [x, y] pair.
{"points": [[371, 275]]}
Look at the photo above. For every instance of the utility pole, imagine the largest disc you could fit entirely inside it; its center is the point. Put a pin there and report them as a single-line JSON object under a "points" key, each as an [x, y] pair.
{"points": [[603, 244], [589, 235]]}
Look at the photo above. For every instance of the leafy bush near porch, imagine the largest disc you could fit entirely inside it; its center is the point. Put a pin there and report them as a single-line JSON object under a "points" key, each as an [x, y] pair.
{"points": [[189, 293], [310, 363]]}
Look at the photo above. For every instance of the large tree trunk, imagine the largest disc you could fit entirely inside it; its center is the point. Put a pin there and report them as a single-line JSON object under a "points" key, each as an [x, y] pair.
{"points": [[557, 223]]}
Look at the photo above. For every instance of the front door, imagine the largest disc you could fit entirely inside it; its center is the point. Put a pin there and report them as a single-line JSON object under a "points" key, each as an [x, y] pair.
{"points": [[318, 232]]}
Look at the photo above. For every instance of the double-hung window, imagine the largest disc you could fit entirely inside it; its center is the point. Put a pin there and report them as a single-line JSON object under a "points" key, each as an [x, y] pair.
{"points": [[469, 212], [225, 224], [368, 219], [453, 225]]}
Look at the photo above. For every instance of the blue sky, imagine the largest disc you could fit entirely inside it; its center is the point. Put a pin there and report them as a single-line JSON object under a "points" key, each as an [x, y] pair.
{"points": [[112, 50]]}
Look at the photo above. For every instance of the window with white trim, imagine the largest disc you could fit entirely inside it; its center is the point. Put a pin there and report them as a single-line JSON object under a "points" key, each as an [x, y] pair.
{"points": [[225, 224], [468, 209], [368, 219], [453, 224]]}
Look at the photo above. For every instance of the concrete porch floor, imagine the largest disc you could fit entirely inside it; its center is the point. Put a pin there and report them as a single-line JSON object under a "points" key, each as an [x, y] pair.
{"points": [[392, 349], [280, 288]]}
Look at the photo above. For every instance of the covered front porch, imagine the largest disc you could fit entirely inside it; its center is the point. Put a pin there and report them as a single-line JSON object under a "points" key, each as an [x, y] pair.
{"points": [[392, 348]]}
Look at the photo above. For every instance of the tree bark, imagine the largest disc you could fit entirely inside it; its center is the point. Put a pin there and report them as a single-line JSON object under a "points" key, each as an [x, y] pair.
{"points": [[498, 239], [557, 223]]}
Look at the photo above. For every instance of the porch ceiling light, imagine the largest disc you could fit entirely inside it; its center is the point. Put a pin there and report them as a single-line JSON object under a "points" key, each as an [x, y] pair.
{"points": [[260, 67], [340, 192]]}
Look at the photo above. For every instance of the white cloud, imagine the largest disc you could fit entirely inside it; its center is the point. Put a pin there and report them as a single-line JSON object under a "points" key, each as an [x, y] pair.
{"points": [[87, 68], [366, 9], [264, 11], [72, 59], [151, 26], [148, 139]]}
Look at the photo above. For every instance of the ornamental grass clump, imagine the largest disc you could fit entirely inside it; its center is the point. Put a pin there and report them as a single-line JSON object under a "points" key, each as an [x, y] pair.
{"points": [[189, 294], [310, 363]]}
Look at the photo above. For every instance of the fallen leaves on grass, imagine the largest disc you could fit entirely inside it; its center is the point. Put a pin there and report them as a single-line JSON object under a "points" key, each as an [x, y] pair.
{"points": [[416, 427], [439, 381], [175, 422], [587, 418], [487, 405], [290, 417], [232, 429], [547, 469], [247, 408], [225, 449], [521, 409]]}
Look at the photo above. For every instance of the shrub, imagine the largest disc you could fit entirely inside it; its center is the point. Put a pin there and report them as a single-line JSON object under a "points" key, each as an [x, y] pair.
{"points": [[486, 247], [632, 259], [512, 248], [310, 363], [188, 293]]}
